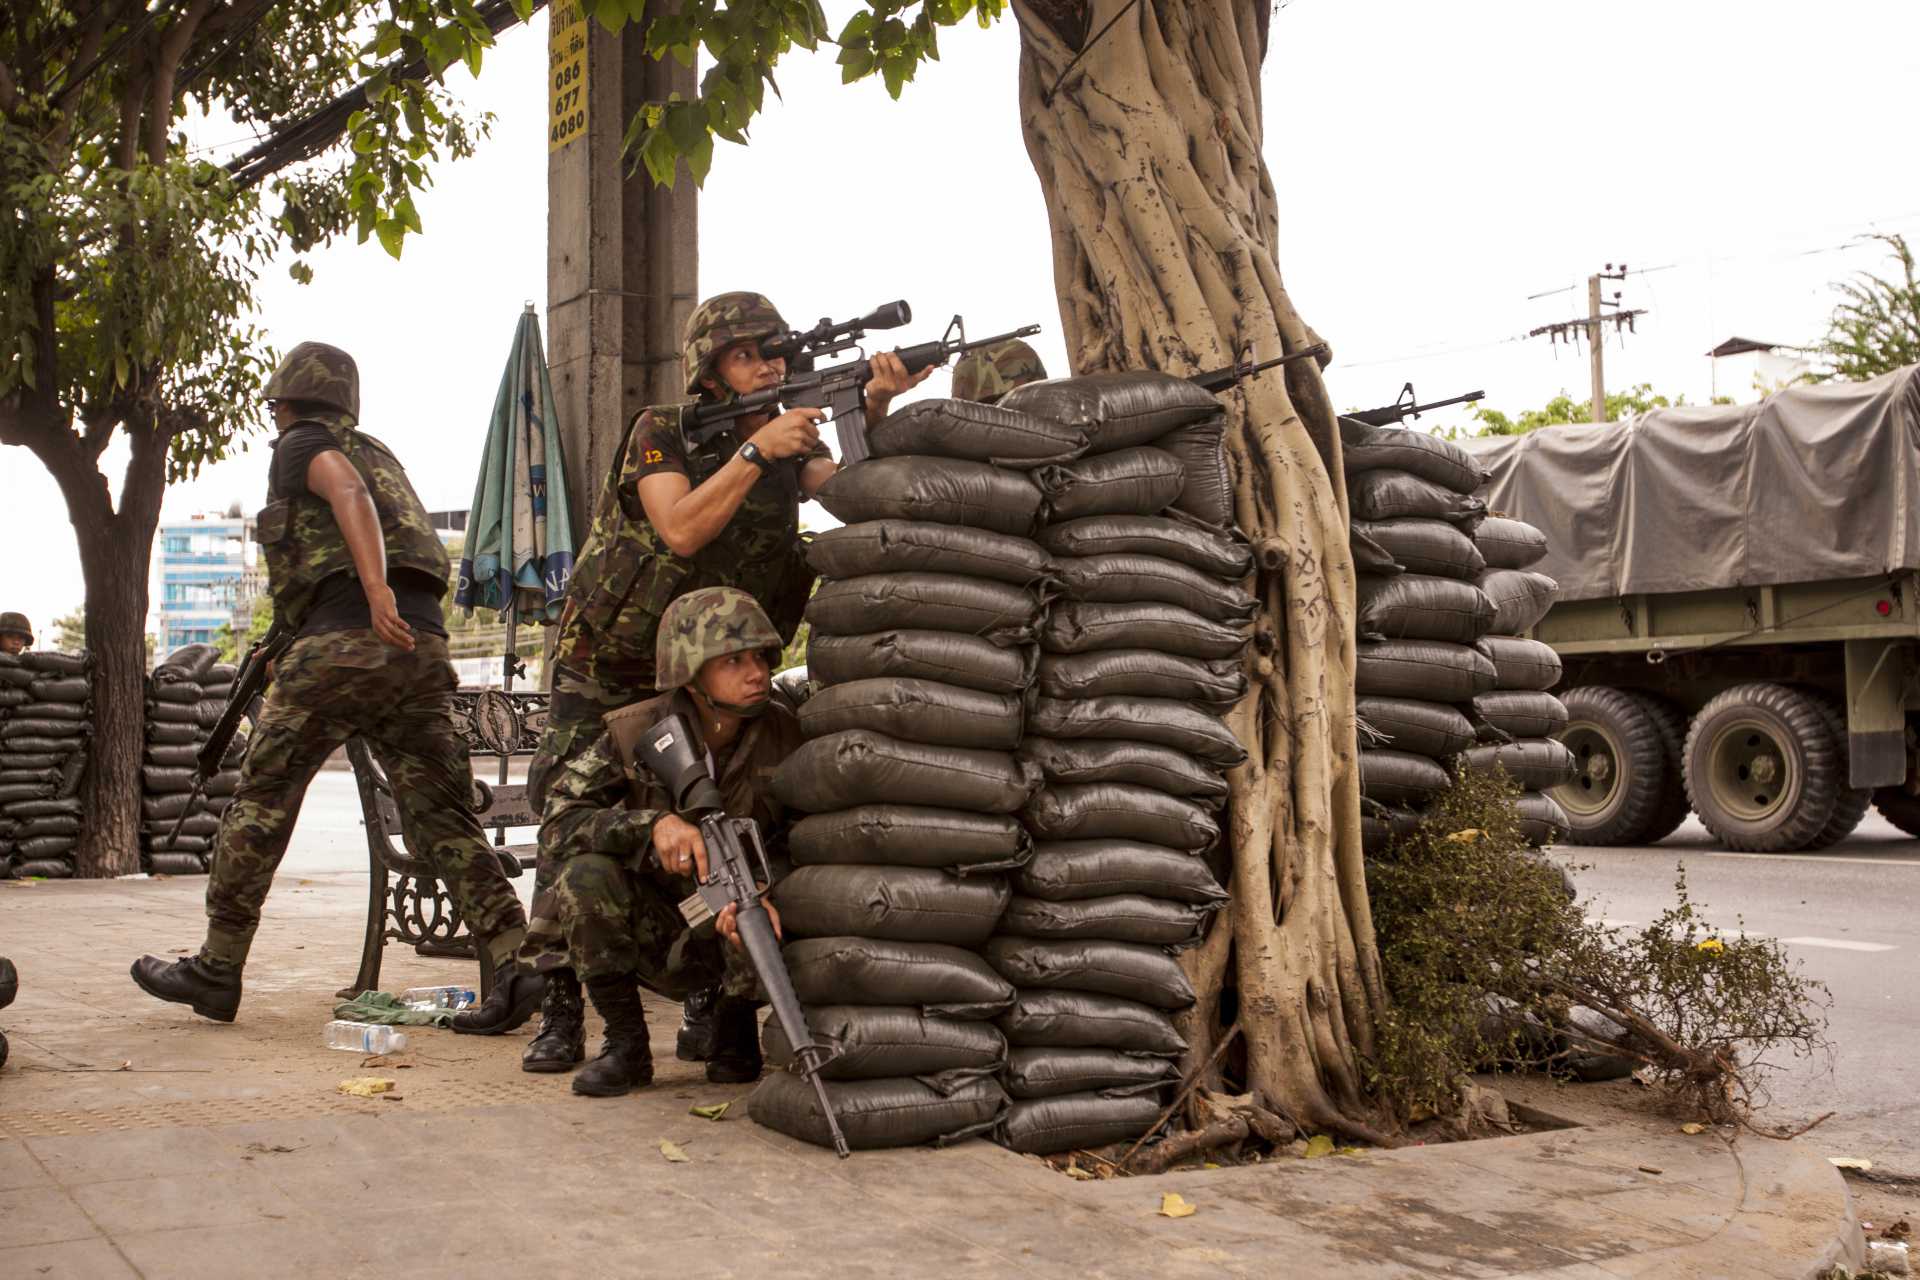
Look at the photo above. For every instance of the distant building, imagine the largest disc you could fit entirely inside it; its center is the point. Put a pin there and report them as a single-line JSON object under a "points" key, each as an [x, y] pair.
{"points": [[1747, 369], [449, 524], [206, 574]]}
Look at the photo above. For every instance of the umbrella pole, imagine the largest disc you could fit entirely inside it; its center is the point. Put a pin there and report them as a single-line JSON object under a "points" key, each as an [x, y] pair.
{"points": [[506, 672]]}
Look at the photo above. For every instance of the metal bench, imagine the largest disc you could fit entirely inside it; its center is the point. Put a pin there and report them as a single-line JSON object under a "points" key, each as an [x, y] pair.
{"points": [[407, 901]]}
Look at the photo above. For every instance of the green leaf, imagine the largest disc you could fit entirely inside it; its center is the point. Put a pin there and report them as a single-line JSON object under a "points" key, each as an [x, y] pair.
{"points": [[700, 159], [404, 210], [391, 233]]}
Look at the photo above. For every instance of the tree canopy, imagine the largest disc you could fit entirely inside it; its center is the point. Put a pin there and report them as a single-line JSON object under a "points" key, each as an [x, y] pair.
{"points": [[1875, 328], [1563, 410]]}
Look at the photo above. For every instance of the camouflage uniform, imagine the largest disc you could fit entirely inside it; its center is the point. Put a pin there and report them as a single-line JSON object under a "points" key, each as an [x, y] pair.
{"points": [[989, 373], [342, 684], [626, 575], [612, 909]]}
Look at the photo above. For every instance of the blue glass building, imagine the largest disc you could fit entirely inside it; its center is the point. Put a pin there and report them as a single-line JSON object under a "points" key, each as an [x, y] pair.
{"points": [[205, 576]]}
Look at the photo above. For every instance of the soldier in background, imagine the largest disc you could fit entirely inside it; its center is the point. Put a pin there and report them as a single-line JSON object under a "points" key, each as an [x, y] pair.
{"points": [[674, 518], [989, 373], [355, 568], [16, 633], [624, 861]]}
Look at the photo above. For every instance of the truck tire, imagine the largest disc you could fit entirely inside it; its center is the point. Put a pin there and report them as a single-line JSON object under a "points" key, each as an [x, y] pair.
{"points": [[1620, 791], [1762, 768], [1671, 722], [1899, 808], [1852, 803]]}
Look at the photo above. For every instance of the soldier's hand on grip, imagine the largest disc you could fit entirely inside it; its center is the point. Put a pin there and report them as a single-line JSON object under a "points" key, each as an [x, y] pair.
{"points": [[890, 377], [679, 846], [791, 434]]}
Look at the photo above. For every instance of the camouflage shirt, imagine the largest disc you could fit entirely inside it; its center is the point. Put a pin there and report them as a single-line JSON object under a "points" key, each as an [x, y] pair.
{"points": [[302, 542], [598, 805], [626, 575]]}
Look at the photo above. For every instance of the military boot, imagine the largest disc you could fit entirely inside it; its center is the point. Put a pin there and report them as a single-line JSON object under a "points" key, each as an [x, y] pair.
{"points": [[212, 992], [736, 1042], [561, 1042], [695, 1041], [626, 1058], [516, 994]]}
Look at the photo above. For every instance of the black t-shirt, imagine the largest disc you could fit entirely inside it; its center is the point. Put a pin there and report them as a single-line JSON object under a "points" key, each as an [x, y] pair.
{"points": [[339, 604]]}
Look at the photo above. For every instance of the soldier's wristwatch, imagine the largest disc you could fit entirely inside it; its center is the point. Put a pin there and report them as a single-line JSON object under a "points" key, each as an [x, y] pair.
{"points": [[751, 453]]}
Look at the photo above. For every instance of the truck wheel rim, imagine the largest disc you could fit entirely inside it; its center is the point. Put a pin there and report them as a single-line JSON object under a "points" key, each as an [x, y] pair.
{"points": [[1596, 787], [1752, 772]]}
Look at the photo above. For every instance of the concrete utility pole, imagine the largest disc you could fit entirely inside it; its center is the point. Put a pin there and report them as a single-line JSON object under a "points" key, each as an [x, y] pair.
{"points": [[1597, 315], [622, 254], [1596, 349]]}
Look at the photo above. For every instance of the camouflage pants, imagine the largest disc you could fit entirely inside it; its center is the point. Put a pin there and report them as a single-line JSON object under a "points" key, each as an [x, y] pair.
{"points": [[326, 689], [578, 702], [602, 917]]}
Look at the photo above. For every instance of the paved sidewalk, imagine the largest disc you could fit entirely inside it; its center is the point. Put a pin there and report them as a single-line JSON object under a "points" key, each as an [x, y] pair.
{"points": [[227, 1151]]}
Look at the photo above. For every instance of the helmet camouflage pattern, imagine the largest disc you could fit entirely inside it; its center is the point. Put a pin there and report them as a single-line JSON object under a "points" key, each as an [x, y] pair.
{"points": [[707, 624], [721, 321], [16, 624], [989, 373], [319, 374]]}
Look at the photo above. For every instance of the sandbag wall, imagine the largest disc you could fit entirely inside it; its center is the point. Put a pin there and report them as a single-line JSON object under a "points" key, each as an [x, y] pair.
{"points": [[185, 696], [921, 651], [1139, 659], [46, 730], [1445, 680]]}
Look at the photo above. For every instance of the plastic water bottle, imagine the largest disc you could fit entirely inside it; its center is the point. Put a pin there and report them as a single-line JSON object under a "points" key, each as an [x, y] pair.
{"points": [[429, 999], [364, 1037]]}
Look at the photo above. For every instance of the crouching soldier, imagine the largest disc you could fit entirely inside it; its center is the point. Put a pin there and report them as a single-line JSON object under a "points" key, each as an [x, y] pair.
{"points": [[625, 861]]}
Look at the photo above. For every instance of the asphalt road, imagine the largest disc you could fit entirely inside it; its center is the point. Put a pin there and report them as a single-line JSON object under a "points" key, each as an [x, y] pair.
{"points": [[1847, 915]]}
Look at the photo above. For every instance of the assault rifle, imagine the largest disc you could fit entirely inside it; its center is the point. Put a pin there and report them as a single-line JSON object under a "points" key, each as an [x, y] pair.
{"points": [[800, 347], [1218, 380], [1407, 407], [247, 683], [668, 749], [841, 389]]}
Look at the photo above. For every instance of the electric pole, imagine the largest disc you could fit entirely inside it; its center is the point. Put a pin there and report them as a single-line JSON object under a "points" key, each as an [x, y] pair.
{"points": [[1597, 315]]}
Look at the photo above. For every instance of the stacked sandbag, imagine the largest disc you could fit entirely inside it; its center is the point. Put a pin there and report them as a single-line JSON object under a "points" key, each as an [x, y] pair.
{"points": [[921, 650], [1422, 611], [1140, 657], [46, 731], [1446, 679], [1516, 722], [186, 695]]}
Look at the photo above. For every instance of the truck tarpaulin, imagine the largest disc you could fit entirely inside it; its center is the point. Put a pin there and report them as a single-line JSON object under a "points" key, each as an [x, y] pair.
{"points": [[1811, 484]]}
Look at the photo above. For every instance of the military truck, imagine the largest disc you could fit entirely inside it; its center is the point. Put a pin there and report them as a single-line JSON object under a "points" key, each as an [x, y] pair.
{"points": [[1738, 614]]}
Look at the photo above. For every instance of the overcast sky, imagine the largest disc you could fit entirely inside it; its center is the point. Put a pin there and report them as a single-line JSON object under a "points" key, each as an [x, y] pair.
{"points": [[1437, 164]]}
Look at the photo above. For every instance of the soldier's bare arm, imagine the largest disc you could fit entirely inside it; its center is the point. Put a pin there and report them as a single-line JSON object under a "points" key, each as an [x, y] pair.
{"points": [[816, 473], [689, 517], [332, 477]]}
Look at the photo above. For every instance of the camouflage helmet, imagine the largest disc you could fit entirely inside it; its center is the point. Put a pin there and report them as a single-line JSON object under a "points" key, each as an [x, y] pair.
{"points": [[318, 374], [16, 624], [989, 373], [721, 321], [707, 624]]}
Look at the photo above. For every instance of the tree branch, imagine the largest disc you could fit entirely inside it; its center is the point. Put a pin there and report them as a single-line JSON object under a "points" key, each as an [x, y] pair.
{"points": [[295, 140], [9, 88], [166, 65]]}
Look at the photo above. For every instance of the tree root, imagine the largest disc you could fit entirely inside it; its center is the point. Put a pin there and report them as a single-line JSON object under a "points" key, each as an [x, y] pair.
{"points": [[1221, 1133]]}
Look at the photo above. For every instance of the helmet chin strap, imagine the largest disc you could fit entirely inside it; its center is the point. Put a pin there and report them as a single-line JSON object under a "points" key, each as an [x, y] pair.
{"points": [[745, 710]]}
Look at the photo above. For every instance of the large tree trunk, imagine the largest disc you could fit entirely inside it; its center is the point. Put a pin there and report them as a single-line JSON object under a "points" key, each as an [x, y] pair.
{"points": [[1165, 237], [115, 547]]}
